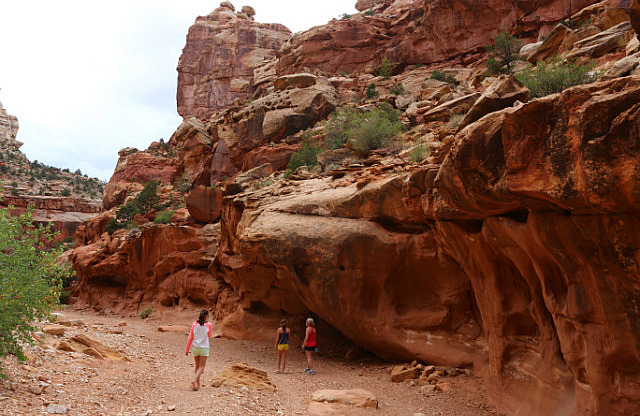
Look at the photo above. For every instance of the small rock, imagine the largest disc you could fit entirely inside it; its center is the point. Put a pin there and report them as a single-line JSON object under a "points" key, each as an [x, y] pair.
{"points": [[429, 388], [122, 323], [57, 409], [171, 408], [60, 319], [54, 329], [444, 386]]}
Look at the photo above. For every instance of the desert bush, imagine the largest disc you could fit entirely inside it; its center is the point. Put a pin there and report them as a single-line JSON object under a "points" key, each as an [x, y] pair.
{"points": [[555, 76], [375, 128], [163, 217], [371, 91], [386, 67], [397, 89], [444, 77], [30, 280], [307, 155], [146, 312], [418, 153], [504, 52], [338, 126]]}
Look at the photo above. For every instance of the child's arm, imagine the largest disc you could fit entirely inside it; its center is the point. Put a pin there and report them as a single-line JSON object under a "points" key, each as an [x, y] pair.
{"points": [[306, 336], [210, 326], [190, 339]]}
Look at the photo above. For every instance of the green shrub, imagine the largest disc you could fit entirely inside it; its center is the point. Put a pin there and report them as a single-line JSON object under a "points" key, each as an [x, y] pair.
{"points": [[556, 76], [369, 13], [65, 192], [163, 217], [146, 312], [375, 128], [504, 52], [397, 89], [30, 280], [148, 197], [386, 67], [419, 153], [306, 156], [444, 77], [338, 125], [345, 16], [371, 91]]}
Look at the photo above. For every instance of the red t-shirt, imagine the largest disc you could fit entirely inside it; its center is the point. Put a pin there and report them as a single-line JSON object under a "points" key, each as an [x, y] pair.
{"points": [[311, 339]]}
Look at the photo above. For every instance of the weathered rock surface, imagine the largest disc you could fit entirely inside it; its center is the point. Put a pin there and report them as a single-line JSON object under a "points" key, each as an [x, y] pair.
{"points": [[539, 214], [154, 264], [352, 397], [8, 127], [269, 120], [416, 31], [242, 374], [217, 62]]}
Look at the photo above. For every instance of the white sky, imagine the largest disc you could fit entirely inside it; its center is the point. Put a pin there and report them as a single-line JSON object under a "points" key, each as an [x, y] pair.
{"points": [[88, 78]]}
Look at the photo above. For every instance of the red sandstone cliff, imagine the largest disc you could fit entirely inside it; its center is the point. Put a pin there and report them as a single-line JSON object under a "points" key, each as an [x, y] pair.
{"points": [[217, 62], [512, 248]]}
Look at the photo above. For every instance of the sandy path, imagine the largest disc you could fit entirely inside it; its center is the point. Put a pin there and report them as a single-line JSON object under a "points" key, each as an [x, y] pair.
{"points": [[156, 381]]}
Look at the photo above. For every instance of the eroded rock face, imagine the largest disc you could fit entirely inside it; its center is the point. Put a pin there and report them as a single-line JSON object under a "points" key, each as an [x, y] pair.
{"points": [[298, 103], [417, 31], [520, 249], [320, 245], [549, 242], [165, 264], [217, 62], [8, 126]]}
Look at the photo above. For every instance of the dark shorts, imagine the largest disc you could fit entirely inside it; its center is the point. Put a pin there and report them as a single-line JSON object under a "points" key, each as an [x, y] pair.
{"points": [[310, 349]]}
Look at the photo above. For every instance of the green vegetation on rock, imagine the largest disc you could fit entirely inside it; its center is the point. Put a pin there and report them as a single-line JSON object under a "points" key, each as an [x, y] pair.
{"points": [[556, 76], [30, 279]]}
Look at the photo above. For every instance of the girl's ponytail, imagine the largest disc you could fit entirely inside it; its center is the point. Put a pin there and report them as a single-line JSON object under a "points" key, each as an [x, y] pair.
{"points": [[203, 316]]}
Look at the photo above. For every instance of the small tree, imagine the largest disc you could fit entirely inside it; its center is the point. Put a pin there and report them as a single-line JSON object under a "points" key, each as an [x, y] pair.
{"points": [[504, 52], [29, 279], [386, 68]]}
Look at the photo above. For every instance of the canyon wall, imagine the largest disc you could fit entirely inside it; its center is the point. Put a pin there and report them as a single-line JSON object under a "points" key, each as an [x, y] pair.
{"points": [[512, 248], [217, 62]]}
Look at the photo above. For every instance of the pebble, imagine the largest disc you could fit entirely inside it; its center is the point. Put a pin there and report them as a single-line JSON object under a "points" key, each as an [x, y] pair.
{"points": [[57, 409]]}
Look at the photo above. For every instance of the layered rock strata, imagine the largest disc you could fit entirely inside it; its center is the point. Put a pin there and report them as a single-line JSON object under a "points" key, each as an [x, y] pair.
{"points": [[217, 62], [417, 32]]}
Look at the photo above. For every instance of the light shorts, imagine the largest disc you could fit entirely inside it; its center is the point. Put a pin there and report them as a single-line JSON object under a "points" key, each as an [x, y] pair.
{"points": [[283, 347], [200, 352]]}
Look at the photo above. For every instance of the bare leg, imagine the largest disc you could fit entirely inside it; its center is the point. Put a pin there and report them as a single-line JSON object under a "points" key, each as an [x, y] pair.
{"points": [[279, 359], [284, 360], [200, 370], [308, 359], [194, 382]]}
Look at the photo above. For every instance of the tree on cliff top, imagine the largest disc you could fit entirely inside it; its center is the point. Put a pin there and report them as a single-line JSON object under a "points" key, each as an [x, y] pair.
{"points": [[29, 279]]}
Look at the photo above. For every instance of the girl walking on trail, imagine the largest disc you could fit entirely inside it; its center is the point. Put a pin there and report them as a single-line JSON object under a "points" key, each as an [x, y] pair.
{"points": [[198, 343], [309, 345], [282, 344]]}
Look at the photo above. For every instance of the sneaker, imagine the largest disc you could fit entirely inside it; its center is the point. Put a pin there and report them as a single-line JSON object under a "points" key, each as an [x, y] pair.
{"points": [[311, 372], [306, 370]]}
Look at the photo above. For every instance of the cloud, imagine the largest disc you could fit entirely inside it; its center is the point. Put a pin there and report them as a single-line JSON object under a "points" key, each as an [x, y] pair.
{"points": [[86, 79]]}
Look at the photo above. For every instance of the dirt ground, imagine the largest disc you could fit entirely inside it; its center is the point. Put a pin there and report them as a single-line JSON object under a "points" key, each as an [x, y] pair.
{"points": [[157, 379]]}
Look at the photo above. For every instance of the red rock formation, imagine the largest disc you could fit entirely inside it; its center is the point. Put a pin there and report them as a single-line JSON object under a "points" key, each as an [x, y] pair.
{"points": [[166, 264], [217, 62], [417, 31]]}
